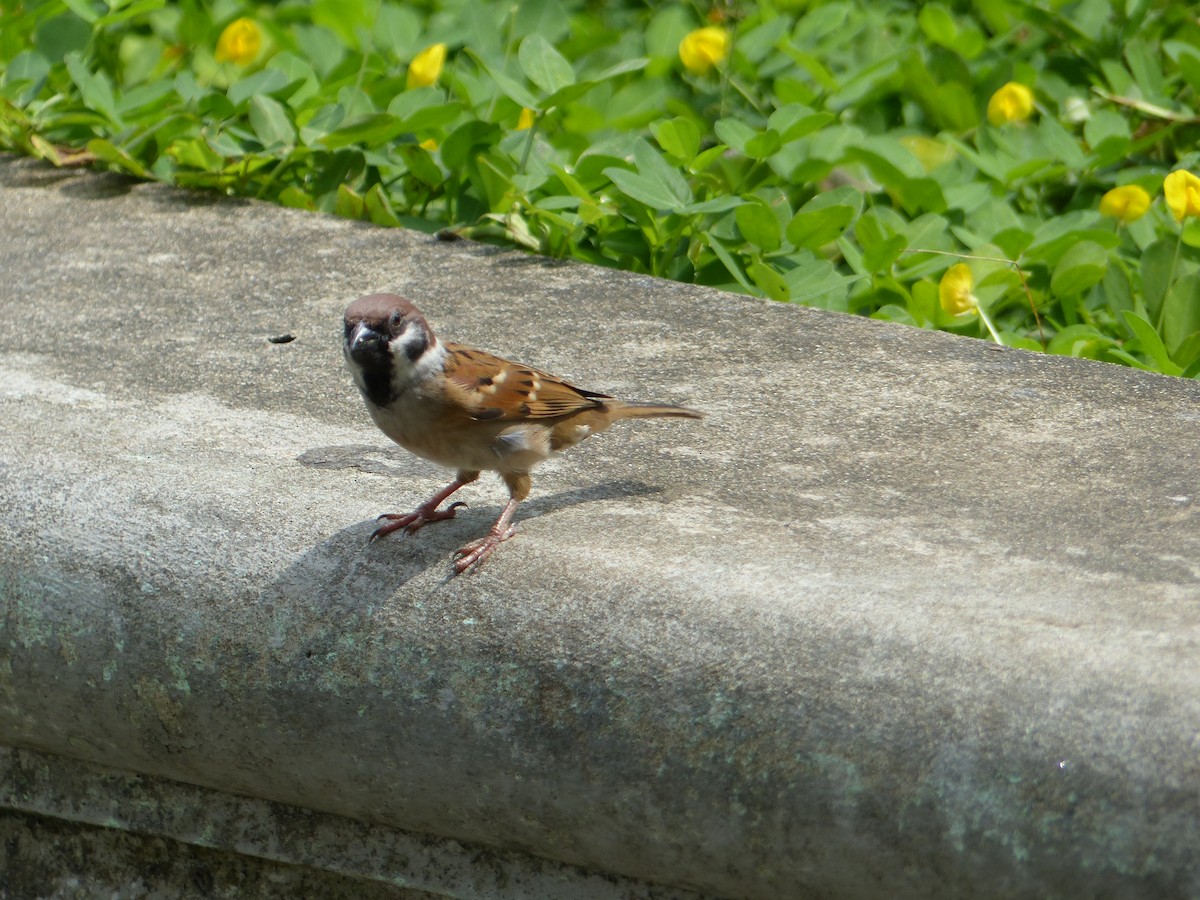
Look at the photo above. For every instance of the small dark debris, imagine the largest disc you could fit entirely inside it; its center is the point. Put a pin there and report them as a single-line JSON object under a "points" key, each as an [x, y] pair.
{"points": [[447, 234], [282, 338]]}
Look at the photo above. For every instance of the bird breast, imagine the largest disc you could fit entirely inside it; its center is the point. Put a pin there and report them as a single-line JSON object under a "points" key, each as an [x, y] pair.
{"points": [[450, 438]]}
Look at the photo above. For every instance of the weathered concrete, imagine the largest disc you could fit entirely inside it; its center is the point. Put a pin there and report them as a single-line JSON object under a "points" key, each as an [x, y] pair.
{"points": [[904, 616], [141, 836]]}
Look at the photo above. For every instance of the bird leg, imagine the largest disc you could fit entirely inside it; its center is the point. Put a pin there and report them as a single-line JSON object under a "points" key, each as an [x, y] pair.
{"points": [[470, 557], [427, 512]]}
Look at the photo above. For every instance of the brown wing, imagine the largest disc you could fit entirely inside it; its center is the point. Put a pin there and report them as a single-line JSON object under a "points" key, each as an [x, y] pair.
{"points": [[494, 388]]}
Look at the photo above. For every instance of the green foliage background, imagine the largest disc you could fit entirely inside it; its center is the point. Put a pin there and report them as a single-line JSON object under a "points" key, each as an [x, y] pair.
{"points": [[839, 158]]}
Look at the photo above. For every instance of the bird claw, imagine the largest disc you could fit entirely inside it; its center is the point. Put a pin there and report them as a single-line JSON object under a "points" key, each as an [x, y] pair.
{"points": [[469, 558], [412, 522]]}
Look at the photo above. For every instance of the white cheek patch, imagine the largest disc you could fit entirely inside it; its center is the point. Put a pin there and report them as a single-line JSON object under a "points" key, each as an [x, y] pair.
{"points": [[408, 371]]}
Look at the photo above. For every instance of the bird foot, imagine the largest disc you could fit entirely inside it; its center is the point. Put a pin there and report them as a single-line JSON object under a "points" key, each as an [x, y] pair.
{"points": [[470, 557], [413, 521]]}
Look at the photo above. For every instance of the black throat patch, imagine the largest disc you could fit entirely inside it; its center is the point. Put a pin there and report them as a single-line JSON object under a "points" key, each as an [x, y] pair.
{"points": [[377, 379]]}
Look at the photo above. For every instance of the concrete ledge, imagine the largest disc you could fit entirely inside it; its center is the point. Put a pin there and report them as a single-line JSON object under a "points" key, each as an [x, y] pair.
{"points": [[201, 842], [904, 616]]}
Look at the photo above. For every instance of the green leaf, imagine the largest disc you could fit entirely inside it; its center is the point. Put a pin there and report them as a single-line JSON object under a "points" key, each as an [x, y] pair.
{"points": [[937, 23], [466, 140], [421, 165], [397, 29], [651, 165], [678, 137], [768, 280], [1103, 125], [816, 282], [348, 205], [116, 157], [325, 120], [763, 144], [758, 226], [196, 154], [1156, 264], [60, 35], [1151, 343], [881, 256], [1082, 266], [734, 132], [508, 86], [1187, 354], [320, 47], [83, 9], [543, 65], [1061, 144], [94, 87], [423, 108], [793, 121], [295, 198], [1181, 312], [824, 218], [728, 261], [348, 18], [568, 94], [648, 191], [892, 312], [27, 68], [264, 82], [720, 203], [1143, 63], [1080, 341], [544, 17], [371, 130], [635, 64], [379, 209], [271, 122]]}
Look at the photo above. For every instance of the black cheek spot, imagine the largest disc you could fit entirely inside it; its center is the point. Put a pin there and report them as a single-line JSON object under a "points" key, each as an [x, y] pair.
{"points": [[415, 350]]}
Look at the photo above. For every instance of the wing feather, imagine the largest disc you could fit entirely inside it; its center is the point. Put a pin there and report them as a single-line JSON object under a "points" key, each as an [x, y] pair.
{"points": [[492, 388]]}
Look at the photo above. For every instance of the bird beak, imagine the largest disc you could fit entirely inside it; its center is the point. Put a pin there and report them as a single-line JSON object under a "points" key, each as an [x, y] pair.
{"points": [[364, 341]]}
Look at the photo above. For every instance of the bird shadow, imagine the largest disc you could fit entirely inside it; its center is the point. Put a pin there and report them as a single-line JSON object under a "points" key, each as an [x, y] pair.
{"points": [[407, 556]]}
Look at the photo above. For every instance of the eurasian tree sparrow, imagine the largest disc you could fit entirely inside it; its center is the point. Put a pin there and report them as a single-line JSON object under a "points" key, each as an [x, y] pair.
{"points": [[468, 410]]}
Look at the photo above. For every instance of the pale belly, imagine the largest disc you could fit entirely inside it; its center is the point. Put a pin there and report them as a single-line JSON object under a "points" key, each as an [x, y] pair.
{"points": [[469, 446]]}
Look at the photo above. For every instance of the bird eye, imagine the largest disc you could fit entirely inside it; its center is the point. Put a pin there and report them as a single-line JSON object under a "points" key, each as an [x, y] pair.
{"points": [[395, 318]]}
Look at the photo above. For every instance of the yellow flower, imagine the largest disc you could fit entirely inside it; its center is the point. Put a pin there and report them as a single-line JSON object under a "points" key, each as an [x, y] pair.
{"points": [[704, 48], [1127, 203], [426, 67], [239, 42], [428, 144], [1012, 103], [1182, 190], [525, 120], [955, 290]]}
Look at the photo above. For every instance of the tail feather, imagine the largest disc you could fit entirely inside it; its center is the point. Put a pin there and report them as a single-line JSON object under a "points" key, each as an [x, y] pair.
{"points": [[623, 410]]}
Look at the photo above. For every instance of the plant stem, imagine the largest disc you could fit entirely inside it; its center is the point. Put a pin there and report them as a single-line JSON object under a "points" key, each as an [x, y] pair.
{"points": [[983, 317], [1162, 309], [537, 120]]}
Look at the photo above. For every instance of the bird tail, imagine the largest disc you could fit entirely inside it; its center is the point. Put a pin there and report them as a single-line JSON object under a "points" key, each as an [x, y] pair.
{"points": [[652, 411]]}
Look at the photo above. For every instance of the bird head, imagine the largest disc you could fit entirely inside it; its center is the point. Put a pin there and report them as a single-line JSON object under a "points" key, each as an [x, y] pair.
{"points": [[388, 345]]}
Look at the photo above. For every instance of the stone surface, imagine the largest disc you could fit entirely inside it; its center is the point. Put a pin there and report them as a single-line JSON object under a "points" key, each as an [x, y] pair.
{"points": [[905, 615], [75, 830]]}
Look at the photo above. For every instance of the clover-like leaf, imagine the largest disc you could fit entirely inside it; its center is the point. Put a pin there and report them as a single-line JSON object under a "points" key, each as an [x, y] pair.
{"points": [[543, 65], [824, 218]]}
